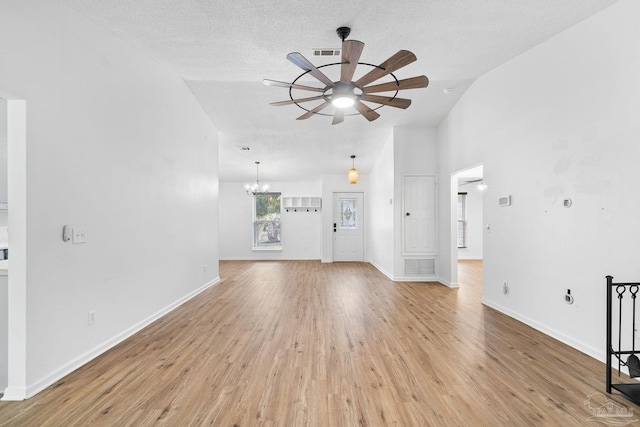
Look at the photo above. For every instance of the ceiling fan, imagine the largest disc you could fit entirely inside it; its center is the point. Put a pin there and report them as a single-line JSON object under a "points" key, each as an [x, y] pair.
{"points": [[346, 95]]}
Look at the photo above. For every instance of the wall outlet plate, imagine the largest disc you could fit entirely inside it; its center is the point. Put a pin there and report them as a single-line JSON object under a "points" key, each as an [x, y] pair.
{"points": [[79, 235]]}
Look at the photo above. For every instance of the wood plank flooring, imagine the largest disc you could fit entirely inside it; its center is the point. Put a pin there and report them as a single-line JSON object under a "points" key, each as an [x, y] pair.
{"points": [[301, 343]]}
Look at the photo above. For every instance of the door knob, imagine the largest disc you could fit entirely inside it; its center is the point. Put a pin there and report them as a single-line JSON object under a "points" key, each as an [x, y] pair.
{"points": [[408, 214]]}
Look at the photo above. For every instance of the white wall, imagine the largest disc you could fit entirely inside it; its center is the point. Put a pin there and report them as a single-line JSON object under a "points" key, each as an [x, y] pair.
{"points": [[3, 158], [415, 153], [558, 121], [116, 146], [474, 232], [4, 291], [381, 216], [4, 336], [300, 231]]}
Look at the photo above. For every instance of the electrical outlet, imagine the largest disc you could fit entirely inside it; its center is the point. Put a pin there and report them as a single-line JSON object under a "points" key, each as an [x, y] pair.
{"points": [[79, 235], [204, 268], [505, 288], [92, 317]]}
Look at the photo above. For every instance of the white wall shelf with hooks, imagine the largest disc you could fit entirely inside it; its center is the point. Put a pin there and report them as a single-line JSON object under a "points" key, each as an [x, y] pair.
{"points": [[301, 203]]}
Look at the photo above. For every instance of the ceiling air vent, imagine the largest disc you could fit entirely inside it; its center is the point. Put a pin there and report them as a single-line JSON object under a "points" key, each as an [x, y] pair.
{"points": [[326, 52]]}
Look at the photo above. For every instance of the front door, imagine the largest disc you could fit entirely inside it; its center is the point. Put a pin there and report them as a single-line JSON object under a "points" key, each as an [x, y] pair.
{"points": [[348, 227]]}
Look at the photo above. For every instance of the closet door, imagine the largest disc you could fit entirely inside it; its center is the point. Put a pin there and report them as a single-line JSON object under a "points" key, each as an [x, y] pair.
{"points": [[419, 215]]}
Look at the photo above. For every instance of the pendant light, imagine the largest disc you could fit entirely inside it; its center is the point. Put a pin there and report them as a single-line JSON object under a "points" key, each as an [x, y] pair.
{"points": [[353, 172]]}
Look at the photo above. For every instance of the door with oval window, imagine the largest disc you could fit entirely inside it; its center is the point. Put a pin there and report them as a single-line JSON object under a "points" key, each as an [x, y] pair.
{"points": [[348, 227]]}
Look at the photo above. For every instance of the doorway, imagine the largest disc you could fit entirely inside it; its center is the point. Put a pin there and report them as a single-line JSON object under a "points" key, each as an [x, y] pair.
{"points": [[348, 227], [467, 202], [16, 342], [469, 214]]}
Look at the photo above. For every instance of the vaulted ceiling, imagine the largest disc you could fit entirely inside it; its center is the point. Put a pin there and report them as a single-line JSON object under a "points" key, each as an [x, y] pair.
{"points": [[223, 50]]}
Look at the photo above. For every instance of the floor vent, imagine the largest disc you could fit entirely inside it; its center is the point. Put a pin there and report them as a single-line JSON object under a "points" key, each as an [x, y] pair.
{"points": [[419, 267]]}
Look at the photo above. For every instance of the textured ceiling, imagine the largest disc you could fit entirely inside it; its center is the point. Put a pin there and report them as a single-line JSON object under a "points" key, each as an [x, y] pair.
{"points": [[223, 49]]}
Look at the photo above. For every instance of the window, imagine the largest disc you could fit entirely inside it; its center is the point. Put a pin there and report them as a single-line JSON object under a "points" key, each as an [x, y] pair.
{"points": [[266, 221], [462, 220], [348, 219]]}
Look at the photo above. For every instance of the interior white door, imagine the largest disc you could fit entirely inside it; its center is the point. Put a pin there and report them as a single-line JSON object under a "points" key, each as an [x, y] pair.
{"points": [[348, 227], [419, 215]]}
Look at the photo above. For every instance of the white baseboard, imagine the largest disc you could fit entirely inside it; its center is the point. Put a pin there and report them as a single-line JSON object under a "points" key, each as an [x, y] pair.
{"points": [[415, 279], [14, 394], [269, 259], [447, 283], [578, 345], [33, 389], [382, 270]]}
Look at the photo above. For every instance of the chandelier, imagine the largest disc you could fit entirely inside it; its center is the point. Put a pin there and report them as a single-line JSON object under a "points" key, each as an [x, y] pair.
{"points": [[256, 188]]}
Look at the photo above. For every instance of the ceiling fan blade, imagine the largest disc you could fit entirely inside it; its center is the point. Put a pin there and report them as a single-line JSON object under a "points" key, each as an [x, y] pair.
{"points": [[291, 85], [411, 83], [385, 100], [312, 112], [351, 51], [338, 117], [294, 101], [397, 61], [302, 62], [367, 112]]}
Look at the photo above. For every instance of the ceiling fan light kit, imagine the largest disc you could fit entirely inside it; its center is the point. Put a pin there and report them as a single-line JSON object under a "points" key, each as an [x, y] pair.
{"points": [[342, 95], [348, 97]]}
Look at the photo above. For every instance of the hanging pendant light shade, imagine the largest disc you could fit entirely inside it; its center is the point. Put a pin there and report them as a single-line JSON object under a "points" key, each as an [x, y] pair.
{"points": [[353, 172]]}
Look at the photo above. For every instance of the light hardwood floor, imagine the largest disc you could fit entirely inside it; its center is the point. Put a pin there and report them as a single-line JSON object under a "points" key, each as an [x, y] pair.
{"points": [[299, 343]]}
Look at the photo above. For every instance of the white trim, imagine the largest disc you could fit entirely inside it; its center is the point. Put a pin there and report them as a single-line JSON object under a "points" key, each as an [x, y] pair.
{"points": [[415, 279], [382, 270], [17, 280], [14, 394], [578, 345], [38, 386], [447, 283], [268, 259]]}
